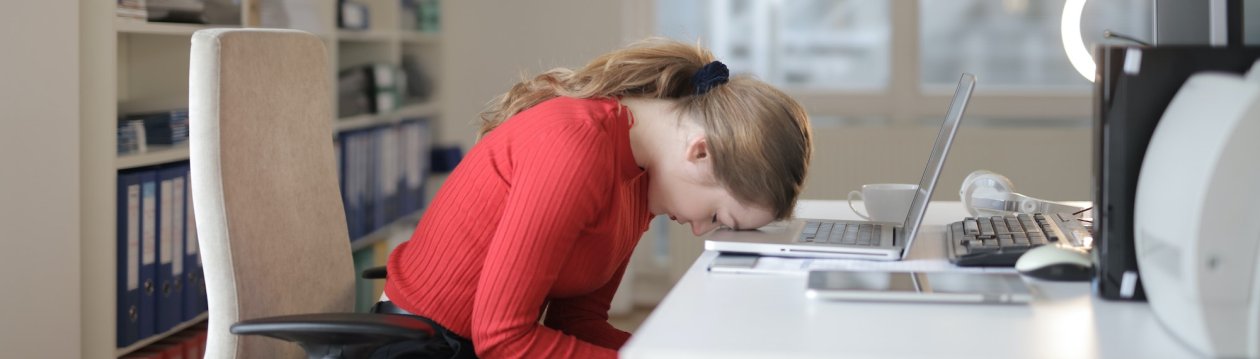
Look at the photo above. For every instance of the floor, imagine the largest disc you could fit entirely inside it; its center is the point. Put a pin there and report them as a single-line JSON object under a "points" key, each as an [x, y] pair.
{"points": [[630, 322], [649, 290]]}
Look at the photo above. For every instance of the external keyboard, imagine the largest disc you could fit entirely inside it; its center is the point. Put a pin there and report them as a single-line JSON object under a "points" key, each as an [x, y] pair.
{"points": [[855, 234], [1000, 240]]}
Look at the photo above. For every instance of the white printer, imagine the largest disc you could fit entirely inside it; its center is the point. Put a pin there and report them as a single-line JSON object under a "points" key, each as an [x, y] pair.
{"points": [[1197, 215]]}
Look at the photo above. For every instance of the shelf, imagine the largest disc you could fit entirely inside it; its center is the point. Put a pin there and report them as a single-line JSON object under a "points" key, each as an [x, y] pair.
{"points": [[405, 223], [423, 109], [429, 108], [155, 155], [364, 36], [419, 38], [125, 26], [356, 122], [155, 338]]}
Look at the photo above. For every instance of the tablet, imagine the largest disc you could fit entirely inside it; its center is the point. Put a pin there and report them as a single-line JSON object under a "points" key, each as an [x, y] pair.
{"points": [[937, 287]]}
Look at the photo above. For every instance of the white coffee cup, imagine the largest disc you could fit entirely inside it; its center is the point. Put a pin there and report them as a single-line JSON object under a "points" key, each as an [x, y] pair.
{"points": [[885, 202]]}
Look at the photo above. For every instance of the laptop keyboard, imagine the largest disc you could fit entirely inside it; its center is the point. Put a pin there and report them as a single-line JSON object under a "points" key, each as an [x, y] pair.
{"points": [[1000, 240], [856, 234]]}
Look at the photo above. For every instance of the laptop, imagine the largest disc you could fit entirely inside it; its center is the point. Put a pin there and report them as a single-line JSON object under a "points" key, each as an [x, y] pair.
{"points": [[818, 238]]}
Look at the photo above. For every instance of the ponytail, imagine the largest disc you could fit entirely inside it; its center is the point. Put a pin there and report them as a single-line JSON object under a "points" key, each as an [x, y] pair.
{"points": [[652, 68]]}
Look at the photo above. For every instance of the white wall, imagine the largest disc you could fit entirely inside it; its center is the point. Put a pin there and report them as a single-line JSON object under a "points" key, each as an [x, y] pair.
{"points": [[39, 179], [488, 44]]}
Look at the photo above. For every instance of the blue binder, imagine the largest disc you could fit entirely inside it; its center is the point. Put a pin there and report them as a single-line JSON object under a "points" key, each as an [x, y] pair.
{"points": [[128, 258], [170, 256], [418, 145], [406, 170], [348, 170], [359, 180], [148, 252], [380, 169], [192, 267], [369, 183]]}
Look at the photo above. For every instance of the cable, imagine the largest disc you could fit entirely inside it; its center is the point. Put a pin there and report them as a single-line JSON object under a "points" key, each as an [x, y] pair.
{"points": [[1115, 35]]}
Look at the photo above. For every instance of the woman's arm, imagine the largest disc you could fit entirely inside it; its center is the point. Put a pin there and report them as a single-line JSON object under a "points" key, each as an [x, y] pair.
{"points": [[560, 180], [586, 317]]}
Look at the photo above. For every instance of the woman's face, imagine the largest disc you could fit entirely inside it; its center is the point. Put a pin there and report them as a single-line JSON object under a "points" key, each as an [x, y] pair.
{"points": [[685, 190]]}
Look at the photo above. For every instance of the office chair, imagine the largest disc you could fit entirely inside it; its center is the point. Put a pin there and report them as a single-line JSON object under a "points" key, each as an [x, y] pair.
{"points": [[268, 208]]}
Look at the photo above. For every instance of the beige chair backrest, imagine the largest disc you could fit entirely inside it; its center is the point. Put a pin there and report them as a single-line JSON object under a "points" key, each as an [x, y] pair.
{"points": [[268, 208]]}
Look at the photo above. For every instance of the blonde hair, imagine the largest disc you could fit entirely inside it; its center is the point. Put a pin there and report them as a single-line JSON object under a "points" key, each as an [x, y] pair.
{"points": [[759, 138]]}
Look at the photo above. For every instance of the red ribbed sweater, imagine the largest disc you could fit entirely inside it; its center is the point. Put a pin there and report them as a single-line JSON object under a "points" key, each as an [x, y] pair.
{"points": [[543, 212]]}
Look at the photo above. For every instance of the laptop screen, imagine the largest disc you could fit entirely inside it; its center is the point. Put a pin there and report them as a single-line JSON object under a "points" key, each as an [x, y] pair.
{"points": [[936, 161]]}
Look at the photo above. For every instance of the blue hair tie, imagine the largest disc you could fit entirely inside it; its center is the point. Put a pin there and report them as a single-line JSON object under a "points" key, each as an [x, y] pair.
{"points": [[709, 76]]}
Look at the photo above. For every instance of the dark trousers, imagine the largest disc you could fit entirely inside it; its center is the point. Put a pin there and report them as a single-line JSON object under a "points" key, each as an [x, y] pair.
{"points": [[445, 344]]}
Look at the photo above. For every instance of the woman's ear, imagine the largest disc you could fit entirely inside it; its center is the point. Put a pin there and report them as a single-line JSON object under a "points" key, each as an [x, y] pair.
{"points": [[697, 149], [699, 166]]}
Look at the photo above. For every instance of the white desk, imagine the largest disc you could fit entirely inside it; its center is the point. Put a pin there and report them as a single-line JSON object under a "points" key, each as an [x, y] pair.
{"points": [[717, 315]]}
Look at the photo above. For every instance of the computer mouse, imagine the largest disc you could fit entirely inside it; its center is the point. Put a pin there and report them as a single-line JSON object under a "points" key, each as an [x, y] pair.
{"points": [[1055, 263]]}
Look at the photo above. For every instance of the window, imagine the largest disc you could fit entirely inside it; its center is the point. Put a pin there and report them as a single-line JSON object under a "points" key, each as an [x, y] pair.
{"points": [[1015, 43], [899, 59], [816, 44]]}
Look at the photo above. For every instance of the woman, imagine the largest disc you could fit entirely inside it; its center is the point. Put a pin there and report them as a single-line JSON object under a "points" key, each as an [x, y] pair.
{"points": [[544, 211]]}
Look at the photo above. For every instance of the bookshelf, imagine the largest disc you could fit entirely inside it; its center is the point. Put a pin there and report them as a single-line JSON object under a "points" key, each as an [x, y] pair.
{"points": [[154, 339], [367, 36], [155, 155], [133, 66], [425, 109], [416, 37], [127, 26], [402, 225]]}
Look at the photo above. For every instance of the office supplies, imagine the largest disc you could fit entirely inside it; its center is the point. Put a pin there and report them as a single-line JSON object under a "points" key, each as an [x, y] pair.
{"points": [[128, 318], [164, 127], [179, 182], [219, 12], [1001, 240], [990, 194], [170, 288], [1196, 233], [371, 88], [131, 10], [932, 287], [1056, 264], [148, 252], [853, 239], [445, 158], [416, 142], [388, 176], [735, 263], [353, 16], [739, 263], [1134, 87], [194, 288], [131, 137], [353, 96]]}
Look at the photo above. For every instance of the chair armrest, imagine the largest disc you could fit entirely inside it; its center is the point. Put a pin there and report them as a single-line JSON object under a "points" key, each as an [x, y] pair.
{"points": [[348, 334], [374, 273]]}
